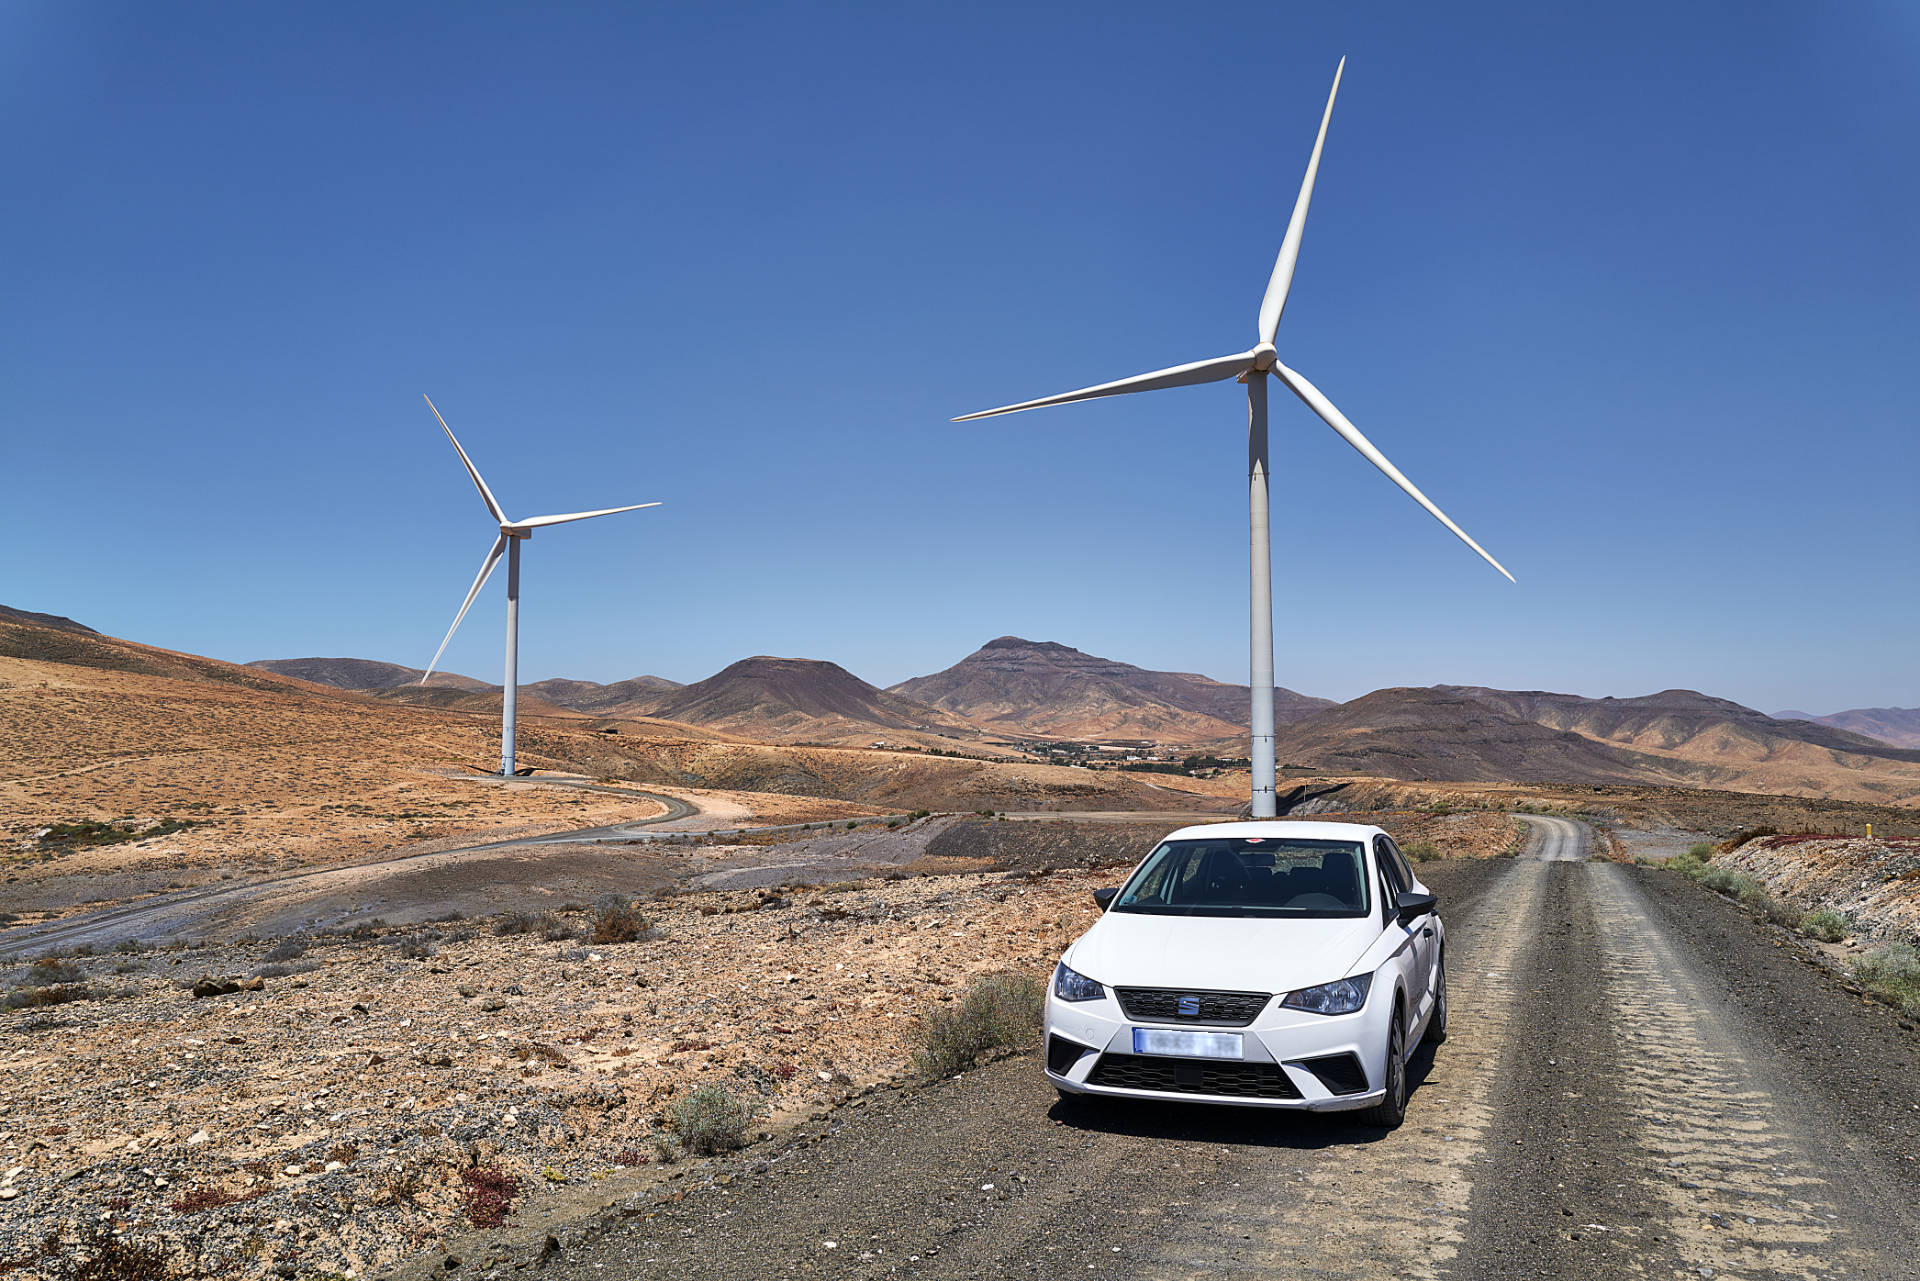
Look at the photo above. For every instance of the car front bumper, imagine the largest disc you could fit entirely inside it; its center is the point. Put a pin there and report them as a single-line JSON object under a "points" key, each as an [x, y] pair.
{"points": [[1277, 1045]]}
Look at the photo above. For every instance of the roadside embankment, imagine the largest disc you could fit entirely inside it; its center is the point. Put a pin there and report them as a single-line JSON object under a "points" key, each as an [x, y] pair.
{"points": [[1874, 883]]}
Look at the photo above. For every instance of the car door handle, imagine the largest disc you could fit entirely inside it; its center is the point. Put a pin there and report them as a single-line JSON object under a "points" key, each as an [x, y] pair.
{"points": [[1426, 934]]}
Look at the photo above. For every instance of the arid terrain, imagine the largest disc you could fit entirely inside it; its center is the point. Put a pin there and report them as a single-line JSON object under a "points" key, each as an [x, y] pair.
{"points": [[293, 988]]}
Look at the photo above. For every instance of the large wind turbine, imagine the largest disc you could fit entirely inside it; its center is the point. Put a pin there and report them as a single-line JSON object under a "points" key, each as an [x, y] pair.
{"points": [[1252, 368], [512, 534]]}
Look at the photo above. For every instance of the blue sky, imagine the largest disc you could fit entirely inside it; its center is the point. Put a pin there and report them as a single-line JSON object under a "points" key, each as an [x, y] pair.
{"points": [[1632, 291]]}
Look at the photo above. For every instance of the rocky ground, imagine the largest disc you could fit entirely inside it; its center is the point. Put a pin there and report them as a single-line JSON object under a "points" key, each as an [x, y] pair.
{"points": [[1875, 883], [322, 1120], [319, 1119]]}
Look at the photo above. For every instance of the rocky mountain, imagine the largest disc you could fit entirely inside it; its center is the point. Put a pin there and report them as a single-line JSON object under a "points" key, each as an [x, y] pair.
{"points": [[798, 699], [622, 698], [1682, 721], [402, 684], [1680, 737], [1449, 734], [1041, 689], [366, 674], [1898, 726]]}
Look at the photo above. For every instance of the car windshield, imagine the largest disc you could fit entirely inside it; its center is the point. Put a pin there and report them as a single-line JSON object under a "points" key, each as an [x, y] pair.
{"points": [[1249, 876]]}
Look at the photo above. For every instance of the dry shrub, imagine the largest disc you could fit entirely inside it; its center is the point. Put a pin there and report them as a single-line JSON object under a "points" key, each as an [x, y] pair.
{"points": [[710, 1120], [997, 1011], [618, 919]]}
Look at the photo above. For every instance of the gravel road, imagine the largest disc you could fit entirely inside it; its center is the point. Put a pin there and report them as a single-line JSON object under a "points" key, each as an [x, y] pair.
{"points": [[1640, 1082]]}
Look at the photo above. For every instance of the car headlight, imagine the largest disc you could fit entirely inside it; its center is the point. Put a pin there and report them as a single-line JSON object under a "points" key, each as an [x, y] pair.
{"points": [[1342, 996], [1070, 985]]}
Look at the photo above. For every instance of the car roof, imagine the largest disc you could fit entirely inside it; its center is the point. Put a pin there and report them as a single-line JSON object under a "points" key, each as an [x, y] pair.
{"points": [[1279, 830]]}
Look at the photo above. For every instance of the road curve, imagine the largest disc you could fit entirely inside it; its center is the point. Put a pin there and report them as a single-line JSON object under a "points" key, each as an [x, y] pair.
{"points": [[165, 914], [1556, 840], [1641, 1081]]}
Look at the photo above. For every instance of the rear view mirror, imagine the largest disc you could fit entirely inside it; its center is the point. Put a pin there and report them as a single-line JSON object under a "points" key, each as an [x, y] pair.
{"points": [[1104, 897], [1410, 907]]}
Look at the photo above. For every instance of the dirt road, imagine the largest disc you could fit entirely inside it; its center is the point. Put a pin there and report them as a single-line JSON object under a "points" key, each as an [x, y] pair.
{"points": [[1641, 1082]]}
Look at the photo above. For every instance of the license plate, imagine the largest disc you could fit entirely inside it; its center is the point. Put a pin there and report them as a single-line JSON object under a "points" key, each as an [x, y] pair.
{"points": [[1187, 1045]]}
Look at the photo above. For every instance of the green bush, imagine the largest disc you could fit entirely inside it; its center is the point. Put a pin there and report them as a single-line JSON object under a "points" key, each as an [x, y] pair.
{"points": [[998, 1011], [1421, 851], [711, 1120], [1692, 864], [1826, 925], [1892, 973]]}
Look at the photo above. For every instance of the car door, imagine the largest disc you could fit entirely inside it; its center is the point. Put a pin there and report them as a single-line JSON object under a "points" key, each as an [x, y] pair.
{"points": [[1425, 941], [1395, 879]]}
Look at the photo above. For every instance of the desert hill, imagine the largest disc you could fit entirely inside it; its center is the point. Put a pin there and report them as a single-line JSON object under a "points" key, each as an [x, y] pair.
{"points": [[1042, 689], [365, 674], [1899, 726], [247, 767], [1677, 720], [1677, 737], [56, 621], [453, 692], [628, 697], [1449, 734], [799, 699]]}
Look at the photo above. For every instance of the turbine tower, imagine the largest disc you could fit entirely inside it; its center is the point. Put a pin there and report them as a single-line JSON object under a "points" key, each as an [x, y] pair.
{"points": [[1253, 368], [512, 534]]}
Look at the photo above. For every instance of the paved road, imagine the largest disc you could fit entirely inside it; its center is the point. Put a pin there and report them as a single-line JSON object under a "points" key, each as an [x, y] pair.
{"points": [[1641, 1082], [175, 913]]}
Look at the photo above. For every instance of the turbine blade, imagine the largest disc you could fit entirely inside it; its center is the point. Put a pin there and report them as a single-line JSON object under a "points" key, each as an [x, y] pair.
{"points": [[486, 571], [1200, 371], [1282, 280], [538, 521], [486, 494], [1320, 405]]}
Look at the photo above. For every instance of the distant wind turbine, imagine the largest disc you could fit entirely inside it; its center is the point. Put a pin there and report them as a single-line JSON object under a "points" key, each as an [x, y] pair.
{"points": [[1252, 368], [512, 534]]}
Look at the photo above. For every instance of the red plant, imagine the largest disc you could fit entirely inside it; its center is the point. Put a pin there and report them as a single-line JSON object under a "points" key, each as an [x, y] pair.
{"points": [[488, 1192], [784, 1070], [198, 1199], [631, 1156]]}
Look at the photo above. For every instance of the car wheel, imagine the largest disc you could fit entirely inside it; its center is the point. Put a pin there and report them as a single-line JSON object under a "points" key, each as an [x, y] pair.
{"points": [[1392, 1110], [1437, 1021]]}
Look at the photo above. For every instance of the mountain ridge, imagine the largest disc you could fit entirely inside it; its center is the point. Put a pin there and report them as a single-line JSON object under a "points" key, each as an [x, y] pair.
{"points": [[1044, 689]]}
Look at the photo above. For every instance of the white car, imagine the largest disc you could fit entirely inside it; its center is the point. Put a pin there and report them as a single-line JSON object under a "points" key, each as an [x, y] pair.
{"points": [[1285, 965]]}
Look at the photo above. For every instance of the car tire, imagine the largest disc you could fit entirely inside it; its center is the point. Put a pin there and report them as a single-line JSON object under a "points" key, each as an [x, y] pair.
{"points": [[1390, 1111], [1437, 1021]]}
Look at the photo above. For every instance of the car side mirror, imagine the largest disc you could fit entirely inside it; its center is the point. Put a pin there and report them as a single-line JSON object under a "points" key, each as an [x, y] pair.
{"points": [[1105, 897], [1410, 907]]}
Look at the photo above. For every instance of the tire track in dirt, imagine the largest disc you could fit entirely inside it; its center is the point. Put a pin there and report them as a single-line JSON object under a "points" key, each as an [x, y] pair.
{"points": [[1395, 1206], [1740, 1193]]}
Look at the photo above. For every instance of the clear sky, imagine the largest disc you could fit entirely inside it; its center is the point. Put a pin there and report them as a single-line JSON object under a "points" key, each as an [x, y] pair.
{"points": [[1632, 291]]}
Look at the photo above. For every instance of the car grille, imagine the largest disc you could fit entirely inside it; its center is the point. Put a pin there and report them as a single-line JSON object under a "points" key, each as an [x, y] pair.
{"points": [[1162, 1005], [1193, 1076]]}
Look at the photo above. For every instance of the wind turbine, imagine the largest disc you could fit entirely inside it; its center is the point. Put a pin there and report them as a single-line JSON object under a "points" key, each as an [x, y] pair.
{"points": [[1252, 368], [512, 534]]}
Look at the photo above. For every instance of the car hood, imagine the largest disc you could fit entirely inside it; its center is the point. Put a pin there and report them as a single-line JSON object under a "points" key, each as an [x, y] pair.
{"points": [[1234, 954]]}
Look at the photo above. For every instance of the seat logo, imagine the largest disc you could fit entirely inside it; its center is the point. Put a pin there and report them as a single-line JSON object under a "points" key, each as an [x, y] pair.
{"points": [[1189, 1007]]}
